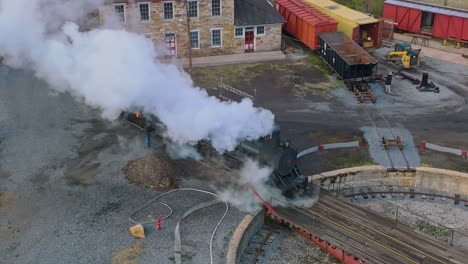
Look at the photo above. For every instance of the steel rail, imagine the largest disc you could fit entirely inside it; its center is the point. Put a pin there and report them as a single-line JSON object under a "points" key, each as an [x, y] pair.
{"points": [[355, 233], [379, 136], [408, 166], [263, 242], [377, 231]]}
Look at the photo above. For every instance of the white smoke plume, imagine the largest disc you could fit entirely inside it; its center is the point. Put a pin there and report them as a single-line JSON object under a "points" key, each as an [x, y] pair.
{"points": [[115, 70], [243, 198]]}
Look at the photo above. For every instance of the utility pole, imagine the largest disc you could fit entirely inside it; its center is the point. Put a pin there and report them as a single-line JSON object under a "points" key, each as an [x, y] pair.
{"points": [[188, 37]]}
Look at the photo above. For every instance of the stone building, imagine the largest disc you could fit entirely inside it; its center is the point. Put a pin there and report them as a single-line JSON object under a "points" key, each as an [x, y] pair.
{"points": [[217, 27]]}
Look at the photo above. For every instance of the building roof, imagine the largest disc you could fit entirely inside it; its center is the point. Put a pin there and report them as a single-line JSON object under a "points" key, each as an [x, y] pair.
{"points": [[431, 8], [307, 12], [343, 11], [255, 12]]}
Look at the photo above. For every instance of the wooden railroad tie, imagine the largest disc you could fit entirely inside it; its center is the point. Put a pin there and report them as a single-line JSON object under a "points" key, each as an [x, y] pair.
{"points": [[392, 142], [362, 92]]}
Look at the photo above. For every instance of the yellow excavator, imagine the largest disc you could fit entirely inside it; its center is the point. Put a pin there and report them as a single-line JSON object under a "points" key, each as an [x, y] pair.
{"points": [[404, 54]]}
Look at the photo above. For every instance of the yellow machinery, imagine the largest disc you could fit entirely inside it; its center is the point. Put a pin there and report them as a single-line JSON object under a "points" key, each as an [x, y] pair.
{"points": [[404, 54]]}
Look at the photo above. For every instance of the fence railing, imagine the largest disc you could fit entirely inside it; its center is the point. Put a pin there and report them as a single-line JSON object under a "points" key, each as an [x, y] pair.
{"points": [[230, 93], [426, 145]]}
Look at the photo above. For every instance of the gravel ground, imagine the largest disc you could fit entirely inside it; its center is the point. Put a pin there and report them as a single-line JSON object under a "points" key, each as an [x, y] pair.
{"points": [[379, 154], [64, 197], [433, 218], [404, 95], [292, 248]]}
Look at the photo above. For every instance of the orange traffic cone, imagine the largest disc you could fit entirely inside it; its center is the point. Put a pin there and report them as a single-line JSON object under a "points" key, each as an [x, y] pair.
{"points": [[159, 223]]}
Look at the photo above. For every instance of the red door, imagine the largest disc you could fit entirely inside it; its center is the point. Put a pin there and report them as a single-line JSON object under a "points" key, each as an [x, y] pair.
{"points": [[170, 45], [249, 41]]}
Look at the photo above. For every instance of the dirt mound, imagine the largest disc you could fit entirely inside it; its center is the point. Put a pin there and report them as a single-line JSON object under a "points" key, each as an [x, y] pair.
{"points": [[154, 171]]}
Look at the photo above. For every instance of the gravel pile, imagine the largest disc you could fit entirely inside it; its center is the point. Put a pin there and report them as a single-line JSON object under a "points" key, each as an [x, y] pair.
{"points": [[154, 171]]}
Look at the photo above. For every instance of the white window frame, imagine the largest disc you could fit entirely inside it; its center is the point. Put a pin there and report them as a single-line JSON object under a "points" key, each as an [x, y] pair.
{"points": [[256, 30], [240, 36], [220, 37], [124, 11], [190, 40], [173, 11], [149, 11], [220, 8], [175, 39], [198, 8]]}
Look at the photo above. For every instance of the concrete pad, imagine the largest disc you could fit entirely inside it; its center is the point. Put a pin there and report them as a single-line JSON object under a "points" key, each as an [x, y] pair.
{"points": [[233, 59], [437, 50], [395, 158]]}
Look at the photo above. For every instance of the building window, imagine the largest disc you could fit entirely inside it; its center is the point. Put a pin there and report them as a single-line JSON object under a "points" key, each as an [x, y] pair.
{"points": [[144, 11], [194, 39], [216, 39], [238, 32], [192, 8], [168, 10], [215, 7], [170, 44], [260, 30], [120, 12]]}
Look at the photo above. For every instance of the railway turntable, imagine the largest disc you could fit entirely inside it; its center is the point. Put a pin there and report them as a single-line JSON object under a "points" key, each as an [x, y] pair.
{"points": [[357, 235]]}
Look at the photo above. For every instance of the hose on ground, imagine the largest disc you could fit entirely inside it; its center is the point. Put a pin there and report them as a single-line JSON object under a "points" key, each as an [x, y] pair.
{"points": [[203, 205]]}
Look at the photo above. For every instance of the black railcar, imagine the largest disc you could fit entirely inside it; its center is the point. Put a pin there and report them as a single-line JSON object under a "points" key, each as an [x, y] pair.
{"points": [[345, 57]]}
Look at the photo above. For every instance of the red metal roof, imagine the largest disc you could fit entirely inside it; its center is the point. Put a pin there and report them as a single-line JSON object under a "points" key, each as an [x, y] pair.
{"points": [[308, 13]]}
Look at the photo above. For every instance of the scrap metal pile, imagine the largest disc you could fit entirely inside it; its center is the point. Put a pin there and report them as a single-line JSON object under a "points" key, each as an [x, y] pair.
{"points": [[361, 91]]}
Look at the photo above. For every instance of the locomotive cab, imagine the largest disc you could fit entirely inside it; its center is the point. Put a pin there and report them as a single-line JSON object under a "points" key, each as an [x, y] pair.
{"points": [[287, 176]]}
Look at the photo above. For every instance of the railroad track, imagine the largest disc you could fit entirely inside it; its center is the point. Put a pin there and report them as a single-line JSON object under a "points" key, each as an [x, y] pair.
{"points": [[383, 131], [369, 236], [256, 250]]}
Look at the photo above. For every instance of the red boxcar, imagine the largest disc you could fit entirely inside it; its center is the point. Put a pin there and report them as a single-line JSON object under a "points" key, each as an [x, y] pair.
{"points": [[304, 22], [433, 20]]}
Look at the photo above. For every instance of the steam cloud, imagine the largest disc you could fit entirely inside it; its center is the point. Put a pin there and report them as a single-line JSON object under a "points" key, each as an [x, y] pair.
{"points": [[115, 70], [256, 176], [242, 197]]}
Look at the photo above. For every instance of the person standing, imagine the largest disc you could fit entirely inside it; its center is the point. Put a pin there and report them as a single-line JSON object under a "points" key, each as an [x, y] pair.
{"points": [[149, 129], [388, 83]]}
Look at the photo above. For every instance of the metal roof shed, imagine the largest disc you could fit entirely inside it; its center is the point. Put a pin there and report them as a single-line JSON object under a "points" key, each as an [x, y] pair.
{"points": [[355, 25], [434, 20]]}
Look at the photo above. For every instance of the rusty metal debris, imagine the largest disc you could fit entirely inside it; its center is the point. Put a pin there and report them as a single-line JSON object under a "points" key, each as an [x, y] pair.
{"points": [[361, 91]]}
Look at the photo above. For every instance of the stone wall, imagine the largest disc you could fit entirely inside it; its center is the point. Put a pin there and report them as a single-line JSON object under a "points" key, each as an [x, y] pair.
{"points": [[270, 41], [157, 26], [444, 181]]}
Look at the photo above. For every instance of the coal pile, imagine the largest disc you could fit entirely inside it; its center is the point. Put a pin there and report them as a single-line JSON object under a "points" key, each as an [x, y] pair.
{"points": [[154, 171]]}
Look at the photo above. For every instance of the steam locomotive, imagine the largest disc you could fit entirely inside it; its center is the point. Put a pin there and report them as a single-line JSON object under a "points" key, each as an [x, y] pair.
{"points": [[269, 150]]}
